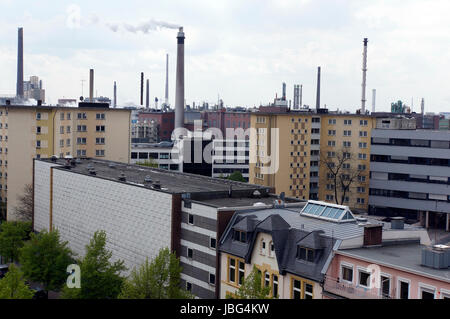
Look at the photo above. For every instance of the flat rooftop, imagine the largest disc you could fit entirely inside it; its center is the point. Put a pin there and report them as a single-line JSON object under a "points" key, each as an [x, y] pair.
{"points": [[51, 107], [170, 181], [405, 257], [247, 201]]}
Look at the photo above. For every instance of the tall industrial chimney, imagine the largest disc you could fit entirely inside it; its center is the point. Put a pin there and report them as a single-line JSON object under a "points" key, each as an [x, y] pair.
{"points": [[422, 106], [115, 95], [296, 96], [142, 88], [318, 89], [147, 96], [91, 85], [19, 87], [374, 94], [284, 92], [179, 96], [166, 96], [364, 69], [301, 92]]}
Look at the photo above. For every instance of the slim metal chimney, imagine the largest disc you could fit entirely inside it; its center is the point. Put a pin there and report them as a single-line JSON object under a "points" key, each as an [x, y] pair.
{"points": [[318, 89], [91, 85], [301, 92], [142, 88], [364, 69], [166, 100], [147, 96], [115, 95], [179, 96], [284, 92], [374, 94], [19, 87], [296, 96], [422, 106]]}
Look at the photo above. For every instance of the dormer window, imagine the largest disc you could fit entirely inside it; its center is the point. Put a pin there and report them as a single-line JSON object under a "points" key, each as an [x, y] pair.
{"points": [[272, 249], [240, 236], [306, 254]]}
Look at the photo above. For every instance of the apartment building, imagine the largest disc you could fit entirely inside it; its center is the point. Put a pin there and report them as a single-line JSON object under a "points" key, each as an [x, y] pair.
{"points": [[162, 155], [410, 175], [142, 210], [299, 146], [29, 132], [229, 156], [390, 269], [294, 246]]}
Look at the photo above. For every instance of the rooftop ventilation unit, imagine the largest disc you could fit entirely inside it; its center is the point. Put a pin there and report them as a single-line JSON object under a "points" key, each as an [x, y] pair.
{"points": [[122, 177], [437, 257], [54, 158], [397, 223], [147, 180], [156, 185], [92, 171]]}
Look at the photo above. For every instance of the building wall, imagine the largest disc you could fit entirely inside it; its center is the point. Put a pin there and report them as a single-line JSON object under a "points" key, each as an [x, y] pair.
{"points": [[137, 220], [416, 281], [23, 136]]}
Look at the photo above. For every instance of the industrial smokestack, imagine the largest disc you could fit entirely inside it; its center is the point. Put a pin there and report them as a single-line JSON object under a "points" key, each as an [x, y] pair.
{"points": [[179, 96], [19, 87], [364, 69], [301, 92], [115, 95], [166, 96], [142, 88], [296, 96], [147, 96], [374, 93], [318, 89], [422, 106], [91, 85], [284, 92]]}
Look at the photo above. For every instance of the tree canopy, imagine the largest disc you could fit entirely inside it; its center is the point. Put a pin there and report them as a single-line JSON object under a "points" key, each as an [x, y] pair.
{"points": [[12, 237], [44, 258], [13, 286], [159, 279], [24, 208], [100, 278], [253, 288], [237, 176]]}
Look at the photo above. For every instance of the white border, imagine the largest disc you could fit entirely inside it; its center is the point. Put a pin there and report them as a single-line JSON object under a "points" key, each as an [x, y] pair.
{"points": [[421, 286], [348, 265], [408, 281]]}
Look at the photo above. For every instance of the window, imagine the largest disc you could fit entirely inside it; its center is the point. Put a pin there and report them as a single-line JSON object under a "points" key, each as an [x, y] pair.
{"points": [[212, 243], [385, 286], [81, 116], [404, 289], [332, 132], [68, 128], [38, 130], [362, 133], [275, 286], [240, 236], [347, 273], [272, 249], [361, 179], [212, 279], [362, 145], [361, 167], [99, 152], [346, 166], [81, 140], [306, 254], [361, 189], [81, 153], [266, 279], [301, 289], [241, 271], [362, 156], [347, 133], [363, 122], [100, 116], [426, 292], [190, 219], [332, 143], [188, 286], [68, 116], [296, 289], [347, 122], [100, 128], [364, 278], [329, 197], [332, 121], [347, 144], [232, 270], [61, 143], [99, 140], [61, 116], [81, 128], [263, 247], [38, 116], [38, 144], [190, 253], [360, 201]]}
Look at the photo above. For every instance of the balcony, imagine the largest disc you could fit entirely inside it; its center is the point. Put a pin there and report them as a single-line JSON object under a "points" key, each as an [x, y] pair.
{"points": [[351, 291]]}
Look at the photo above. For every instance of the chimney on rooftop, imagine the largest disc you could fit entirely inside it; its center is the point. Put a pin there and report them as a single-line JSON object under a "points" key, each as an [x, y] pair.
{"points": [[142, 88], [373, 235], [147, 95], [115, 95], [179, 96], [91, 85], [318, 89], [166, 96], [364, 69], [19, 88]]}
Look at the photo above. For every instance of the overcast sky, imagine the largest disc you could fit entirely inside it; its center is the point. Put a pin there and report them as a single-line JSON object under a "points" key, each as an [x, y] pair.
{"points": [[240, 50]]}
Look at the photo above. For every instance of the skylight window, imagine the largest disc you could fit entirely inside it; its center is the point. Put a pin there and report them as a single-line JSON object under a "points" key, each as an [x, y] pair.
{"points": [[327, 211]]}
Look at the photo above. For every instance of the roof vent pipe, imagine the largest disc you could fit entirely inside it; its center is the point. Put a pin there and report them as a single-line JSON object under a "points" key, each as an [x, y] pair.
{"points": [[397, 222]]}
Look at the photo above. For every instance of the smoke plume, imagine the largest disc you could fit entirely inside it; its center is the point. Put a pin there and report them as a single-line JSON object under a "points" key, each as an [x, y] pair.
{"points": [[144, 27]]}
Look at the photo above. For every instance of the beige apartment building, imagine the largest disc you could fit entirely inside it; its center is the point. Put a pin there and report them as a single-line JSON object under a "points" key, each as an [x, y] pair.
{"points": [[29, 132], [306, 143]]}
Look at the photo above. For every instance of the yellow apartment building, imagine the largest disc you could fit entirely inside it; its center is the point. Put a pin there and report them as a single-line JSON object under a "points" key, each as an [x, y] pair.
{"points": [[29, 132], [306, 142]]}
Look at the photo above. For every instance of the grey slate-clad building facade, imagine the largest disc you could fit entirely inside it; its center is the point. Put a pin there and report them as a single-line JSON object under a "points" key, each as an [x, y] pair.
{"points": [[410, 175]]}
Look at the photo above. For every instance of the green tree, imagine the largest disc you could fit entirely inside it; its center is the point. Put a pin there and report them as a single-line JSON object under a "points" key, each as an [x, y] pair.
{"points": [[44, 258], [13, 286], [12, 237], [159, 279], [237, 176], [100, 278], [148, 163], [24, 208], [253, 288]]}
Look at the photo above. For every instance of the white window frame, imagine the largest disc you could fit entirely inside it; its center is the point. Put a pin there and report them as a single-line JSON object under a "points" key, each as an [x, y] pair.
{"points": [[380, 290], [348, 265], [444, 292], [421, 286], [408, 281], [363, 269]]}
